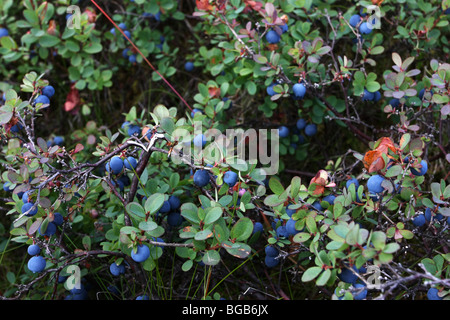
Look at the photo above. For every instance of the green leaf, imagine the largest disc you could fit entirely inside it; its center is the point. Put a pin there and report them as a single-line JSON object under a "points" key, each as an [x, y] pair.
{"points": [[238, 249], [394, 171], [301, 237], [378, 239], [135, 209], [154, 203], [93, 48], [129, 230], [190, 212], [49, 41], [311, 274], [211, 257], [276, 186], [373, 86], [295, 186], [212, 215], [203, 234], [323, 278], [242, 229], [377, 50], [391, 247], [167, 125], [147, 225], [187, 265]]}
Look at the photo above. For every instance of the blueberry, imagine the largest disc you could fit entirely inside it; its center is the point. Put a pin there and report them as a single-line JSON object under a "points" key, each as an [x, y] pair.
{"points": [[329, 198], [200, 141], [133, 130], [58, 140], [127, 34], [125, 55], [310, 129], [36, 264], [48, 91], [301, 124], [117, 270], [367, 95], [142, 253], [347, 275], [51, 229], [272, 37], [27, 206], [423, 170], [122, 26], [354, 20], [130, 163], [7, 187], [271, 261], [258, 227], [143, 297], [33, 250], [428, 214], [189, 66], [201, 178], [420, 220], [230, 178], [376, 96], [165, 207], [432, 294], [282, 232], [174, 202], [352, 181], [374, 184], [271, 251], [361, 295], [26, 196], [422, 93], [270, 90], [316, 204], [290, 227], [3, 32], [283, 131], [174, 219], [194, 111], [115, 165], [42, 99], [364, 28], [17, 127], [395, 103], [290, 212], [299, 90], [58, 219]]}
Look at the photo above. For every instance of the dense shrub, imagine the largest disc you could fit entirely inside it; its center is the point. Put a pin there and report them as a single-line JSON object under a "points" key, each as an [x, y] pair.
{"points": [[117, 183]]}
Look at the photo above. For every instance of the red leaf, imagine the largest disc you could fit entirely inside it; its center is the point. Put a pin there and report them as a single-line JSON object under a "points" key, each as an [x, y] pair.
{"points": [[72, 100], [214, 92], [320, 178], [204, 5], [51, 28], [376, 165], [319, 190], [78, 148]]}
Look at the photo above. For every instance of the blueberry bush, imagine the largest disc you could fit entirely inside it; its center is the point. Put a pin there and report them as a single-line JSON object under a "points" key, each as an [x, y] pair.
{"points": [[115, 185]]}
